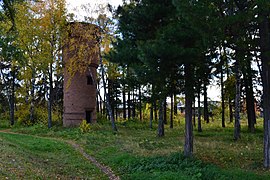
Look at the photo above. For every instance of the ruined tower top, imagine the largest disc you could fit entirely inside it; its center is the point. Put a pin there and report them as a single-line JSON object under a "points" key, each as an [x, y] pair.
{"points": [[82, 44]]}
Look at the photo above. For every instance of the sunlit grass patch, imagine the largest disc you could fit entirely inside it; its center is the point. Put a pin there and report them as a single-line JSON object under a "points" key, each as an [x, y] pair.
{"points": [[28, 157]]}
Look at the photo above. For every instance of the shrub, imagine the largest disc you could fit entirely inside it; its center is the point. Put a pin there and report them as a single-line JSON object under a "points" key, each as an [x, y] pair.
{"points": [[102, 119], [4, 120], [23, 117], [84, 126]]}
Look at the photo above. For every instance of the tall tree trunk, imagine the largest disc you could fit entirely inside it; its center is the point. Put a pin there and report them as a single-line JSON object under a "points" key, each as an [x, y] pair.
{"points": [[160, 119], [188, 148], [11, 95], [116, 112], [50, 96], [194, 112], [140, 103], [199, 108], [265, 50], [237, 126], [12, 99], [104, 104], [98, 99], [222, 94], [124, 103], [205, 103], [171, 118], [101, 105], [115, 106], [231, 110], [133, 104], [259, 65], [175, 104], [165, 111], [110, 95], [151, 116], [249, 97], [32, 108], [107, 97], [229, 99], [155, 109], [129, 104]]}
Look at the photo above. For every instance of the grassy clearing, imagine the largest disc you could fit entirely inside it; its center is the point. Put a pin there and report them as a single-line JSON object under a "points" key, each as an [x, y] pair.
{"points": [[135, 152], [28, 157]]}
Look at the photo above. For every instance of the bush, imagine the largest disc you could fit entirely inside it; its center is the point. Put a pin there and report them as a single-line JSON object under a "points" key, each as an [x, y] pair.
{"points": [[22, 115], [84, 126], [4, 121], [102, 119]]}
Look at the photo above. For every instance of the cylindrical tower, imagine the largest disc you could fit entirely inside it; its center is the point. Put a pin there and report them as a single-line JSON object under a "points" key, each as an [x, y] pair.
{"points": [[80, 56]]}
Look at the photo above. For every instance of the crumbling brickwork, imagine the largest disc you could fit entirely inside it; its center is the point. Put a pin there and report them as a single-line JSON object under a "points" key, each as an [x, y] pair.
{"points": [[80, 56]]}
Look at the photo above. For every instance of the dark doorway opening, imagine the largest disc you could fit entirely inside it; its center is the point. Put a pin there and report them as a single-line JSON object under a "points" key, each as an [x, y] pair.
{"points": [[89, 80], [88, 116]]}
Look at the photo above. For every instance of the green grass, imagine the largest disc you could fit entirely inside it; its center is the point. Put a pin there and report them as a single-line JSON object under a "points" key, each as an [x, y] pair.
{"points": [[135, 152], [28, 157]]}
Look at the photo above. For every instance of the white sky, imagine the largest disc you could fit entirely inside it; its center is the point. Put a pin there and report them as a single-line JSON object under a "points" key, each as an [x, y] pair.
{"points": [[76, 4], [214, 92]]}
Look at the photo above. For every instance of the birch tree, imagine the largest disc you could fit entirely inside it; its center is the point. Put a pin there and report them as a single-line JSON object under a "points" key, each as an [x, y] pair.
{"points": [[10, 54], [40, 27]]}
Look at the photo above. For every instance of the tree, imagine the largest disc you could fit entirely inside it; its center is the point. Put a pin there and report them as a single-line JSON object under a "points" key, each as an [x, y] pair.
{"points": [[250, 101], [229, 93], [40, 27], [10, 53], [199, 106], [189, 93], [146, 41], [265, 58], [199, 35], [237, 125], [54, 24], [103, 38]]}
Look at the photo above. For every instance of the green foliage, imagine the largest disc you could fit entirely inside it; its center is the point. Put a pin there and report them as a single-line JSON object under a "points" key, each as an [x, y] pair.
{"points": [[84, 126], [4, 121], [40, 116], [230, 87], [102, 119], [23, 117], [177, 163]]}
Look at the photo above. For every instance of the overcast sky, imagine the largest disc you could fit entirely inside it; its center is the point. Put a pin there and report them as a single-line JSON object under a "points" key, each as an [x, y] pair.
{"points": [[71, 4], [79, 2]]}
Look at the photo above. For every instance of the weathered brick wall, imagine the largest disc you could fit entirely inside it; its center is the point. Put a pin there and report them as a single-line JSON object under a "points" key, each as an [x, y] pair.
{"points": [[79, 96]]}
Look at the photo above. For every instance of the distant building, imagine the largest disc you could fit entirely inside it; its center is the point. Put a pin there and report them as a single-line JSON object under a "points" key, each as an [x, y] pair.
{"points": [[80, 56]]}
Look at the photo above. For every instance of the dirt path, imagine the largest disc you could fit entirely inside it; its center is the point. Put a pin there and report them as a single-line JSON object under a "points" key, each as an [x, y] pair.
{"points": [[105, 169]]}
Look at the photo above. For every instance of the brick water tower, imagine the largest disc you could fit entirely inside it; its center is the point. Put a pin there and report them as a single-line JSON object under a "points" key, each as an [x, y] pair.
{"points": [[80, 56]]}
